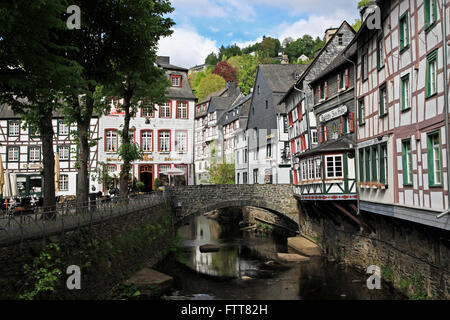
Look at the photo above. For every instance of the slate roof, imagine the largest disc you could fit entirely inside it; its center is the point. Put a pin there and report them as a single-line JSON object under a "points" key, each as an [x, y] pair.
{"points": [[220, 103], [339, 61], [164, 62], [341, 144], [183, 92], [305, 73], [281, 77], [240, 108]]}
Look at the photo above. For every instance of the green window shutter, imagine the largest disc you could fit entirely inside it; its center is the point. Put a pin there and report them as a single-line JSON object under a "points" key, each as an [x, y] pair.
{"points": [[403, 94], [427, 13], [367, 158], [435, 12], [361, 165], [402, 36], [382, 168], [405, 163], [430, 160], [374, 165]]}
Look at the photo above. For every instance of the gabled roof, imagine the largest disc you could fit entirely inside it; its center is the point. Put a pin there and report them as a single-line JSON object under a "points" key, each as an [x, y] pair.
{"points": [[220, 103], [280, 77], [305, 73], [339, 61], [164, 62], [238, 109]]}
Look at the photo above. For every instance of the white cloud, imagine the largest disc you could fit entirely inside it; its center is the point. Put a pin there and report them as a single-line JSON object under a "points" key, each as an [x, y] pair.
{"points": [[216, 8], [248, 43], [213, 29], [186, 47], [314, 25]]}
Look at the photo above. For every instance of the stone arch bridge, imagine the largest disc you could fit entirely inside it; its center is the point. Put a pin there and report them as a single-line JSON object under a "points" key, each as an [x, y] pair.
{"points": [[193, 200]]}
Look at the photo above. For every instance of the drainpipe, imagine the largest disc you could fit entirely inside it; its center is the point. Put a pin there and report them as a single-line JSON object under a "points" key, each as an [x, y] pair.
{"points": [[444, 47], [355, 102]]}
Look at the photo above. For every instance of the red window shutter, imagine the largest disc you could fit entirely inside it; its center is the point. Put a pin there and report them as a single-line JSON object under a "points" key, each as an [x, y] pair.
{"points": [[352, 122], [299, 111], [326, 90], [347, 78], [291, 121], [293, 147], [295, 177], [326, 134], [320, 135], [342, 125]]}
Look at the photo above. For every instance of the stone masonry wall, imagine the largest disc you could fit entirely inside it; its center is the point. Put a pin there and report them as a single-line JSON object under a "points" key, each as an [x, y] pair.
{"points": [[412, 257], [107, 253]]}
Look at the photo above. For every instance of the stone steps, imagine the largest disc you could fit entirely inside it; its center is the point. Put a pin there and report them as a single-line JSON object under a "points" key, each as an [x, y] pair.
{"points": [[304, 246], [292, 257]]}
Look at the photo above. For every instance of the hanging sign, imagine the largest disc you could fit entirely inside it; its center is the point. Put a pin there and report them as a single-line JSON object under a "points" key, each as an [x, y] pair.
{"points": [[335, 113]]}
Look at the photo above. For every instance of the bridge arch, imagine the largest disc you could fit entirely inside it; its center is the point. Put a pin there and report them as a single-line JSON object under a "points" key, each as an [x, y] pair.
{"points": [[194, 200]]}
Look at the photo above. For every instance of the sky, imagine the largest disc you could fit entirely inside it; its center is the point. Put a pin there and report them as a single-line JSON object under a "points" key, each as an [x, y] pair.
{"points": [[202, 26]]}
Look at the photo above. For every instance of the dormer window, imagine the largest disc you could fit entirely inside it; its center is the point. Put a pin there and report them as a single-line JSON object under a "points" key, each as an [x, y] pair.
{"points": [[175, 80], [340, 38]]}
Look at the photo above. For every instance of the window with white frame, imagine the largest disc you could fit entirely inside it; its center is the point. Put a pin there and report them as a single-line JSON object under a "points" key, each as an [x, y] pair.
{"points": [[64, 182], [34, 154], [164, 141], [182, 110], [13, 128], [64, 153], [334, 166], [148, 111], [165, 110], [111, 140], [181, 141], [13, 154], [111, 168], [63, 129], [147, 140]]}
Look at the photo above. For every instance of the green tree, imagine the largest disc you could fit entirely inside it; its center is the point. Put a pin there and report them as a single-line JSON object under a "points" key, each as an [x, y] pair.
{"points": [[134, 76], [211, 59], [271, 46], [228, 52], [36, 72], [246, 67], [357, 25], [209, 84], [222, 173]]}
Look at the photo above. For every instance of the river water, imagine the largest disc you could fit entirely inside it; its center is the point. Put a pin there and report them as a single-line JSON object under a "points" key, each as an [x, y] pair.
{"points": [[244, 269]]}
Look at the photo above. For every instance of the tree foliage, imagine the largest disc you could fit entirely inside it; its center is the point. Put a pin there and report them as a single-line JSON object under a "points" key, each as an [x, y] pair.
{"points": [[35, 70], [228, 52], [211, 59], [222, 173], [226, 71], [209, 84], [271, 46], [304, 46]]}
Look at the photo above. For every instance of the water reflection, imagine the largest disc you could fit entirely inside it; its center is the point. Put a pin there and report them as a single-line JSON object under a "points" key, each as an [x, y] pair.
{"points": [[245, 254], [227, 262]]}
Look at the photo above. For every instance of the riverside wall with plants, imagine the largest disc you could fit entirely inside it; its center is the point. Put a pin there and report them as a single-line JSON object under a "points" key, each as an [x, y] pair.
{"points": [[107, 254], [413, 258]]}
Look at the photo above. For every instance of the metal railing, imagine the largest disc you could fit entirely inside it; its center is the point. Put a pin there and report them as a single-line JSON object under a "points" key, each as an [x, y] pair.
{"points": [[40, 222]]}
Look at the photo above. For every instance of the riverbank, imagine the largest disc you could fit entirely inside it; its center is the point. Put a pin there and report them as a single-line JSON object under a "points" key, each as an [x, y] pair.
{"points": [[107, 254], [246, 268]]}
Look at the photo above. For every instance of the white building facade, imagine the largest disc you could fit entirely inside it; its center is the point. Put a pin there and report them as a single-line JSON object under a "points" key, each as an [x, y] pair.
{"points": [[165, 135]]}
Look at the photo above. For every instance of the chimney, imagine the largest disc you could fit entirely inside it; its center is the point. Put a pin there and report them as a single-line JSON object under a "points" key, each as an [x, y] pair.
{"points": [[163, 60], [329, 33]]}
